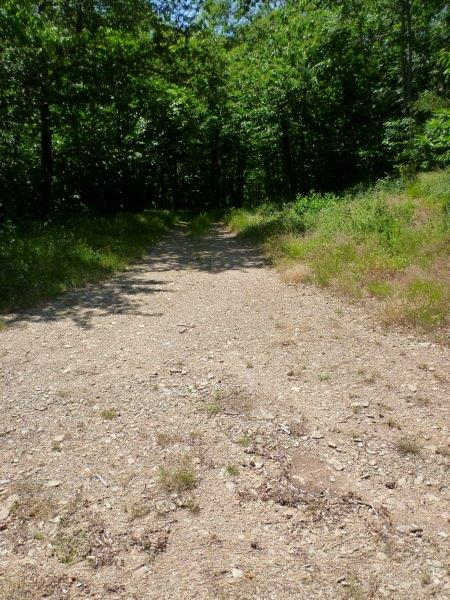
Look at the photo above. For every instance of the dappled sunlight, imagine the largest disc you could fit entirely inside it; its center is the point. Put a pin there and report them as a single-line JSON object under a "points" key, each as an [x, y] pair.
{"points": [[127, 294]]}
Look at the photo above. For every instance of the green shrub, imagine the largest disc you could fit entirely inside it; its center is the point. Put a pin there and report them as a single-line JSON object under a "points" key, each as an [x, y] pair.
{"points": [[433, 145]]}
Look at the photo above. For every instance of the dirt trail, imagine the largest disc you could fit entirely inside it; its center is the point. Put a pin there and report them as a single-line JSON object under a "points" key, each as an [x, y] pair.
{"points": [[317, 440]]}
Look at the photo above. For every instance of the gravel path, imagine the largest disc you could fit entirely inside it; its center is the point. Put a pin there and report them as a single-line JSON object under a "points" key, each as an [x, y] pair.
{"points": [[195, 428]]}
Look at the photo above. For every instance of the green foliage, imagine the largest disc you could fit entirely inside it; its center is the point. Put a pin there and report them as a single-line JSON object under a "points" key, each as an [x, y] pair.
{"points": [[433, 145], [200, 224], [39, 261], [128, 105], [426, 303], [391, 242]]}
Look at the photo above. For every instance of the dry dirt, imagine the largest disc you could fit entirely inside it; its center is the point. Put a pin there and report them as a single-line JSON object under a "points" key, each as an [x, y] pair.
{"points": [[195, 428]]}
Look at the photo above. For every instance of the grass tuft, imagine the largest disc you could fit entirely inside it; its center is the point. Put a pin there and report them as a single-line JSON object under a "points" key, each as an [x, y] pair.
{"points": [[213, 408], [232, 470], [406, 445], [71, 546], [109, 414], [200, 224], [178, 477], [245, 441]]}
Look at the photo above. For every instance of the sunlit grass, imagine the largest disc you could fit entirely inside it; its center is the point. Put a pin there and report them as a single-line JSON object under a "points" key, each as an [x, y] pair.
{"points": [[390, 242]]}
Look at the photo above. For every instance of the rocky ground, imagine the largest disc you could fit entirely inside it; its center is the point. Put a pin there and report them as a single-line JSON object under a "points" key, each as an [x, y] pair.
{"points": [[195, 428]]}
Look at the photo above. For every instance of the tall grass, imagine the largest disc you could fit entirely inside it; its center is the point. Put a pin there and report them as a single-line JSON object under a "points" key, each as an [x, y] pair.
{"points": [[200, 224], [39, 261], [390, 242]]}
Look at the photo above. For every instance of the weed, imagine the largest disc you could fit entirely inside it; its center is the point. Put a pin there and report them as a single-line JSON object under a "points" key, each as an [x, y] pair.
{"points": [[443, 451], [371, 378], [385, 407], [153, 541], [213, 409], [407, 445], [422, 401], [380, 289], [296, 274], [296, 372], [324, 377], [233, 400], [178, 477], [200, 224], [192, 505], [439, 376], [28, 583], [3, 325], [297, 428], [286, 342], [195, 437], [422, 303], [109, 414], [71, 546], [245, 441], [354, 589], [392, 424], [232, 470]]}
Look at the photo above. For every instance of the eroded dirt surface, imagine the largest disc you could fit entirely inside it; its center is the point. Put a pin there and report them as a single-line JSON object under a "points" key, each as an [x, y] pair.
{"points": [[304, 447]]}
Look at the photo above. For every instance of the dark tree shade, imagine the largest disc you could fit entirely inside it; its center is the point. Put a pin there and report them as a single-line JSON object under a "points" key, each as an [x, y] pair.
{"points": [[108, 105]]}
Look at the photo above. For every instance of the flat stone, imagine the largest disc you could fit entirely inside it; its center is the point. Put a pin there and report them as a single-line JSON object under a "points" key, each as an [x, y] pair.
{"points": [[336, 465], [52, 483]]}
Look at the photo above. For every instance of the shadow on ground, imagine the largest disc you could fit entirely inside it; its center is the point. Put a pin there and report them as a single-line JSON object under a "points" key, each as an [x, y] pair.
{"points": [[214, 253]]}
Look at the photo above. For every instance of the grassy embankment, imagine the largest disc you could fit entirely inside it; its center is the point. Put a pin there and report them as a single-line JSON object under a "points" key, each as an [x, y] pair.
{"points": [[390, 242], [39, 261]]}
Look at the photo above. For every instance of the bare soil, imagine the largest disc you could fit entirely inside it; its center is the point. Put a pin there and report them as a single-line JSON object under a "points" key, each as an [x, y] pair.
{"points": [[196, 428]]}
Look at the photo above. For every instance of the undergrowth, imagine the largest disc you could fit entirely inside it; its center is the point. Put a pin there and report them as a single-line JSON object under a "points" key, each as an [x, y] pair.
{"points": [[390, 242], [200, 224], [38, 261]]}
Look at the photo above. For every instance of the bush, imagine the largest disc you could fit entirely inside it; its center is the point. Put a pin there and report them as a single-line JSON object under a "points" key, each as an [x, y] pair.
{"points": [[433, 145]]}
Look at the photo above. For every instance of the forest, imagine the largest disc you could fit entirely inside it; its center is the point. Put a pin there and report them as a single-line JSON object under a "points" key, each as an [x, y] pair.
{"points": [[115, 105], [112, 109]]}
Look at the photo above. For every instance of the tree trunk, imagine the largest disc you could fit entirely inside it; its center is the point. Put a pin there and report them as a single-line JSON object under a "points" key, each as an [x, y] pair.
{"points": [[215, 178], [46, 157], [406, 50], [286, 151]]}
